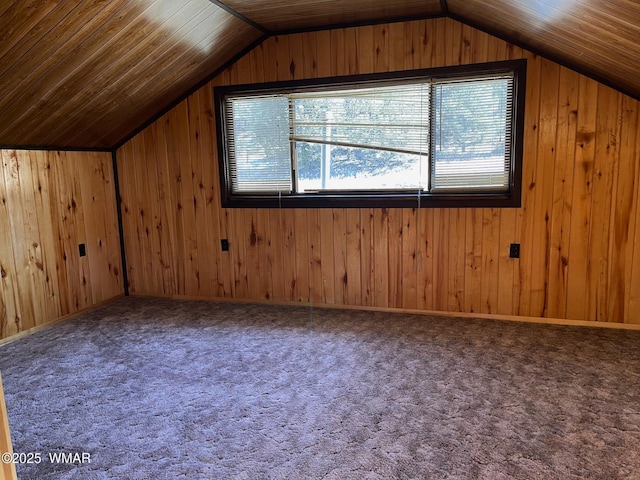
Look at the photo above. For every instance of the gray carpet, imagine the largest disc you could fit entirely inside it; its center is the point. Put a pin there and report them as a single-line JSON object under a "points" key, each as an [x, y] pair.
{"points": [[160, 389]]}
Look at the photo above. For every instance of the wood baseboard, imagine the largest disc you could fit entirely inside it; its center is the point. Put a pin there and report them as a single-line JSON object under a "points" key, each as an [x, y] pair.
{"points": [[487, 316], [37, 328]]}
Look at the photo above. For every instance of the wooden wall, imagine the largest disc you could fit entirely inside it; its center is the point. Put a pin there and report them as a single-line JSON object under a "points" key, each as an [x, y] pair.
{"points": [[576, 227], [49, 203]]}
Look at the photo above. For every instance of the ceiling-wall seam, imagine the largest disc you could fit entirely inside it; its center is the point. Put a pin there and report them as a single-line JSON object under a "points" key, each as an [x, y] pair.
{"points": [[237, 14], [191, 91], [563, 63], [363, 23], [56, 148]]}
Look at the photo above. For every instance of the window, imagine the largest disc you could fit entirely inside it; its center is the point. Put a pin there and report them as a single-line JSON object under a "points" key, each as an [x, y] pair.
{"points": [[440, 137]]}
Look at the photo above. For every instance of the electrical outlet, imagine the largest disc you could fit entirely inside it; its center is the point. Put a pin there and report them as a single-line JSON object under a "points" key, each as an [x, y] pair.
{"points": [[514, 250], [225, 244]]}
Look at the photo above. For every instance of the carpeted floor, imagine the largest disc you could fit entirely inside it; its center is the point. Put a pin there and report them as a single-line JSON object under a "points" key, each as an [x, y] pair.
{"points": [[160, 389]]}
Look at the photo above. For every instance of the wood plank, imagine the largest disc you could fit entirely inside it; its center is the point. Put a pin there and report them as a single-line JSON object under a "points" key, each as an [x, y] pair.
{"points": [[252, 240], [543, 189], [441, 236], [425, 280], [92, 194], [329, 278], [506, 265], [409, 258], [43, 193], [187, 211], [126, 173], [237, 249], [80, 237], [367, 257], [338, 53], [280, 255], [176, 174], [68, 229], [530, 182], [606, 159], [452, 42], [11, 310], [351, 51], [340, 256], [199, 192], [302, 257], [404, 44], [283, 59], [490, 255], [380, 256], [624, 218], [562, 193], [114, 265], [18, 219], [473, 253], [269, 69], [147, 178], [580, 291], [289, 253], [395, 256], [314, 232], [353, 256], [632, 292], [33, 240], [8, 469], [140, 201], [380, 39], [166, 221], [265, 253]]}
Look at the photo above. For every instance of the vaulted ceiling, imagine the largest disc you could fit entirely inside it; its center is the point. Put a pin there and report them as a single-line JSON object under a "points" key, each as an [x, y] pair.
{"points": [[90, 73]]}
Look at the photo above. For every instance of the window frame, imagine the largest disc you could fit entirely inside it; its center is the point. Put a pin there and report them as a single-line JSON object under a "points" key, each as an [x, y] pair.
{"points": [[380, 199]]}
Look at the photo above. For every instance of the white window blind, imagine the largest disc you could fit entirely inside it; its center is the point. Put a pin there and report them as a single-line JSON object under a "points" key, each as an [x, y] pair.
{"points": [[257, 129], [472, 134], [394, 118]]}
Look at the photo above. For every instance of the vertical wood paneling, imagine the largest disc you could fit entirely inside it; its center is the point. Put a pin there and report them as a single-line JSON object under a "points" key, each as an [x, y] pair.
{"points": [[353, 257], [632, 313], [340, 255], [623, 216], [50, 202], [367, 261], [563, 187], [576, 226]]}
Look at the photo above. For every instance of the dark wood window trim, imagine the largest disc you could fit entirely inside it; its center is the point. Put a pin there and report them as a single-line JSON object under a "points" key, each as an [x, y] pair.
{"points": [[377, 199]]}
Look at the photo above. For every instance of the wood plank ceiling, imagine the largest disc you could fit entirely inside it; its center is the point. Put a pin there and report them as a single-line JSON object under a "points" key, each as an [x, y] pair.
{"points": [[90, 73]]}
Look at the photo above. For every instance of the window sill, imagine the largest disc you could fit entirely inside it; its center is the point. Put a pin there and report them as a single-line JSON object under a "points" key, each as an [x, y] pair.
{"points": [[375, 200]]}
